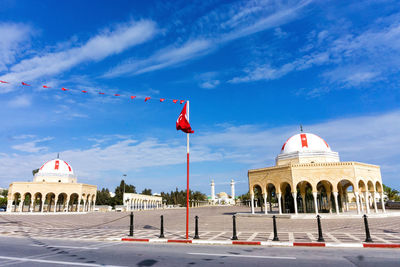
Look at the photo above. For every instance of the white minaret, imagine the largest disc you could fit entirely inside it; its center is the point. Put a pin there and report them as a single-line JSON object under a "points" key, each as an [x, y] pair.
{"points": [[233, 189], [212, 191]]}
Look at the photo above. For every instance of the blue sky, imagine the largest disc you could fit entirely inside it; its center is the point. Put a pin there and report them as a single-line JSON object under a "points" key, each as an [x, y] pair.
{"points": [[252, 70]]}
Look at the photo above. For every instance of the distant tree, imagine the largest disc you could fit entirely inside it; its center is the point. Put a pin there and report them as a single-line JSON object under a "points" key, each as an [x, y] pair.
{"points": [[3, 201], [244, 197], [103, 197], [119, 192], [146, 192], [35, 171], [179, 197], [4, 193], [391, 193]]}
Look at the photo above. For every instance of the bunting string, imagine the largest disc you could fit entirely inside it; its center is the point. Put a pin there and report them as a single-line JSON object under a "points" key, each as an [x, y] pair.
{"points": [[147, 98]]}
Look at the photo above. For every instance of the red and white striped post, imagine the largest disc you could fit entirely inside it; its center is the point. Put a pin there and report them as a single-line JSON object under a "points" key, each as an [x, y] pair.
{"points": [[187, 174]]}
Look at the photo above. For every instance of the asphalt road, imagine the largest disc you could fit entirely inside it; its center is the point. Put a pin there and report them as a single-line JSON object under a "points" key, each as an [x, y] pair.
{"points": [[52, 252]]}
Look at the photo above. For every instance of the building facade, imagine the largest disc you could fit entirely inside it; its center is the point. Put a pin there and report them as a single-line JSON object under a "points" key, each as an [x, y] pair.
{"points": [[141, 202], [222, 198], [309, 177], [54, 189]]}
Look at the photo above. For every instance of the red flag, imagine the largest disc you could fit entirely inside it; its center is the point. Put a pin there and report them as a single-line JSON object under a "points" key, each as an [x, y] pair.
{"points": [[100, 93], [45, 86], [162, 99], [133, 96], [83, 91], [182, 122], [147, 98], [181, 102], [117, 95], [25, 84], [64, 89], [3, 82], [175, 100]]}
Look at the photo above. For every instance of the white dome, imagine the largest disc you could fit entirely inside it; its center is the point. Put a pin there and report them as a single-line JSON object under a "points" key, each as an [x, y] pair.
{"points": [[56, 167], [305, 142]]}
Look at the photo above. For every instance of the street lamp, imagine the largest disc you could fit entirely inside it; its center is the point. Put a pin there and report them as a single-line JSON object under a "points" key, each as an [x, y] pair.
{"points": [[123, 196]]}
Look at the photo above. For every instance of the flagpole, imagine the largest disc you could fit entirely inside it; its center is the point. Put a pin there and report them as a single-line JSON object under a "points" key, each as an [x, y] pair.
{"points": [[187, 171]]}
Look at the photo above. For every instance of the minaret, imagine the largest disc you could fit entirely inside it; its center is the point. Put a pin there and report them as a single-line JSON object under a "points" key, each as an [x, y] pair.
{"points": [[212, 191], [233, 189]]}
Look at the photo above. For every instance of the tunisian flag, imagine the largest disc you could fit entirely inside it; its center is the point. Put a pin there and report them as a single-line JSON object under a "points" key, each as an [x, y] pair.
{"points": [[182, 122]]}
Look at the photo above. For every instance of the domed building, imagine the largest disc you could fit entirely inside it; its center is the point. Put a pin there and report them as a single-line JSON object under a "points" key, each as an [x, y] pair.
{"points": [[54, 189], [308, 177]]}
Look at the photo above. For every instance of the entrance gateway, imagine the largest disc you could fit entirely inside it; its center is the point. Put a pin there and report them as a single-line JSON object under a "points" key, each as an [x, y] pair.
{"points": [[309, 177]]}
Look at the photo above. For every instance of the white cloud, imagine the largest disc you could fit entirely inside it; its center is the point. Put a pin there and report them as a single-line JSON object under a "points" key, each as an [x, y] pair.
{"points": [[20, 101], [210, 84], [371, 139], [31, 147], [106, 43], [14, 37], [238, 25]]}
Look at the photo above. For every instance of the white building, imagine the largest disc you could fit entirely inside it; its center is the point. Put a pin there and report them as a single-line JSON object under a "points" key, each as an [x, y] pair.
{"points": [[142, 202], [222, 198]]}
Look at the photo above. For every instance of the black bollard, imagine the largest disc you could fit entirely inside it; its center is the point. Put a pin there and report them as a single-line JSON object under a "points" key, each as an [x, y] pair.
{"points": [[275, 230], [196, 227], [162, 227], [234, 237], [320, 237], [131, 225], [367, 234]]}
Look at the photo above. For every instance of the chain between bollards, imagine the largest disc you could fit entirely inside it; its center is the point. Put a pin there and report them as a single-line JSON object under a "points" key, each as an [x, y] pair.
{"points": [[196, 227], [162, 227], [275, 230], [367, 234], [131, 225], [234, 236], [320, 237]]}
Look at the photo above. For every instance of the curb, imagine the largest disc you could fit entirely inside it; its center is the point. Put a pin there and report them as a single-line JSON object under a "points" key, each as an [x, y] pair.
{"points": [[264, 243]]}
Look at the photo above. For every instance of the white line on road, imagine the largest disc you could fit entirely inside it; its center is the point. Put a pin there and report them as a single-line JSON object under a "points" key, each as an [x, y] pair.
{"points": [[243, 256], [56, 262], [252, 236], [34, 245]]}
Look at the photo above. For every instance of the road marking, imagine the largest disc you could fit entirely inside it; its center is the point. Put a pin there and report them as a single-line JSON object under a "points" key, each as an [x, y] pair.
{"points": [[332, 237], [380, 239], [310, 236], [56, 262], [242, 256], [291, 237], [34, 245], [218, 235], [252, 236], [352, 236], [271, 236]]}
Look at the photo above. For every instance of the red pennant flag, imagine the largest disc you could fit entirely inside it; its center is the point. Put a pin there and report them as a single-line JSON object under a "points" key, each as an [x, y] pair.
{"points": [[147, 98], [45, 86], [162, 99], [181, 102], [133, 96], [182, 122], [175, 100], [25, 84], [64, 89], [84, 91], [3, 82], [117, 95], [100, 93]]}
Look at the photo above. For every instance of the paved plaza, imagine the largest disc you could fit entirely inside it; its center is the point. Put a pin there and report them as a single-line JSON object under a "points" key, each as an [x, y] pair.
{"points": [[215, 223]]}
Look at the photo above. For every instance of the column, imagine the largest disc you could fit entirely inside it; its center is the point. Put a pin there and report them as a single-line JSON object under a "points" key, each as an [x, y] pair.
{"points": [[265, 203], [68, 203], [43, 200], [357, 202], [294, 194], [279, 196], [55, 203], [335, 195], [361, 203], [366, 198], [21, 203], [383, 202], [315, 202], [329, 201], [84, 205], [79, 204], [252, 203], [375, 205], [31, 205], [9, 205], [303, 197]]}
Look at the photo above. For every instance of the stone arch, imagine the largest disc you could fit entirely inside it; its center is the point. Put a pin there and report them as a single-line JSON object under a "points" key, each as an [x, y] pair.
{"points": [[73, 202], [258, 195], [16, 200], [343, 188], [361, 185], [287, 201], [50, 200], [378, 187], [305, 199], [325, 196], [37, 201], [61, 202], [370, 186], [27, 200]]}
